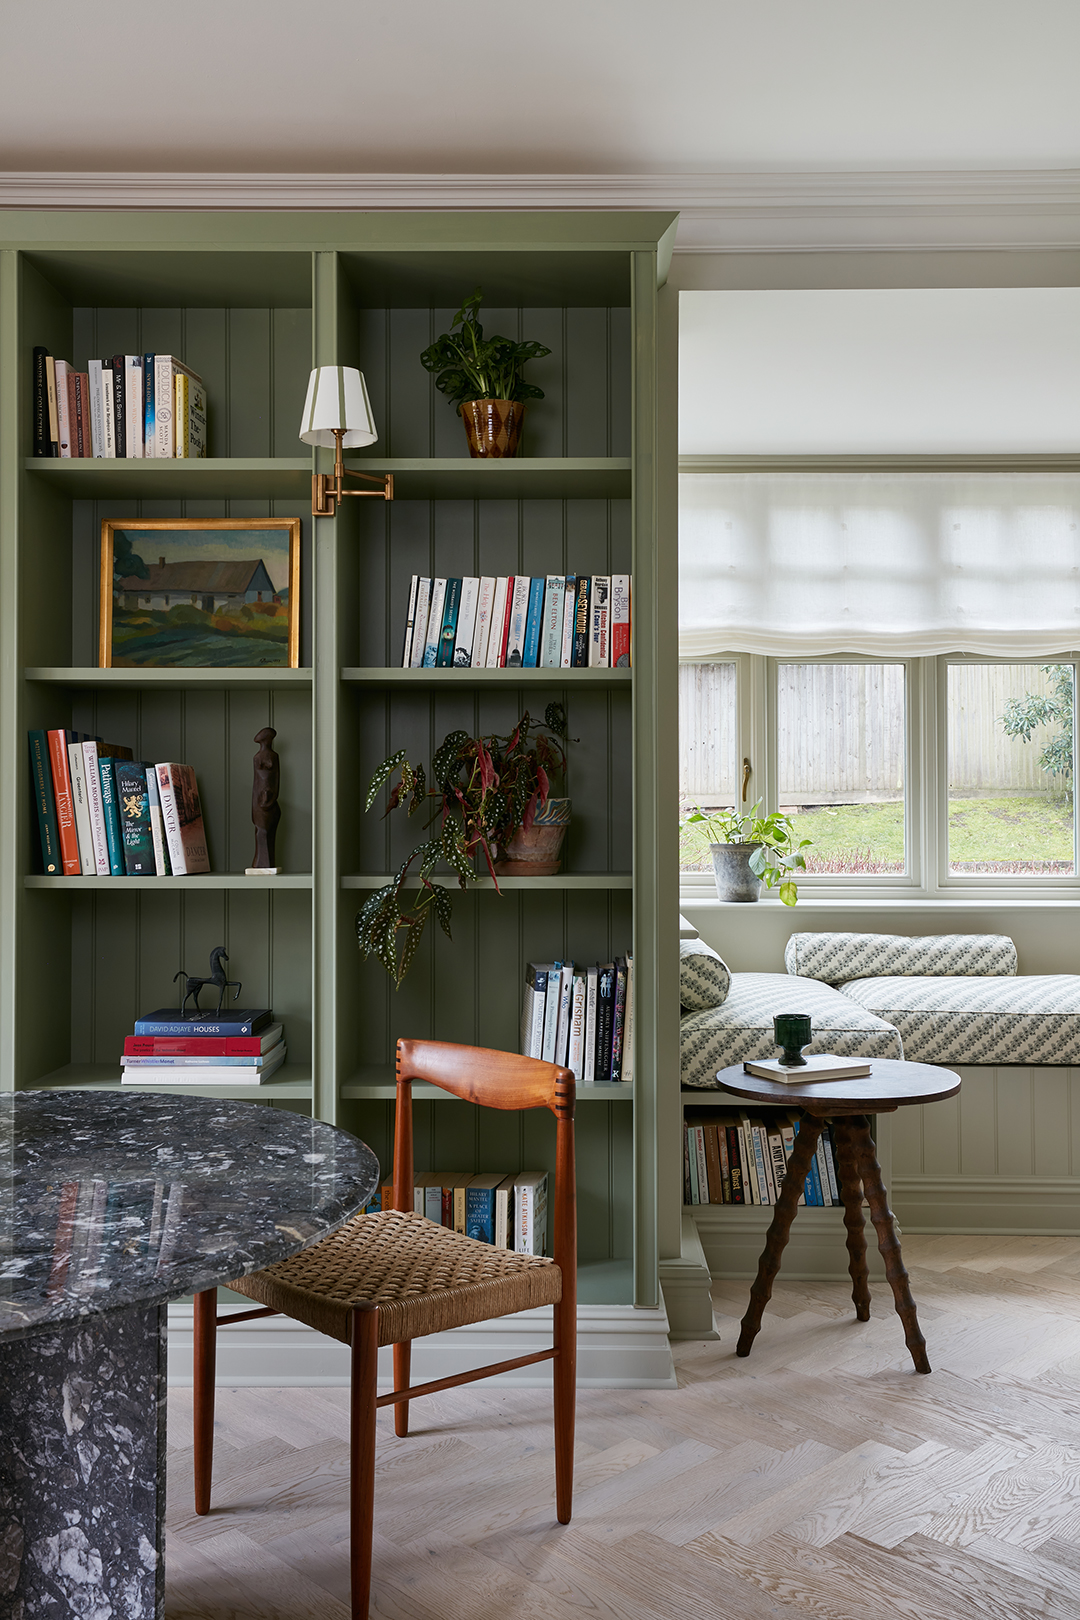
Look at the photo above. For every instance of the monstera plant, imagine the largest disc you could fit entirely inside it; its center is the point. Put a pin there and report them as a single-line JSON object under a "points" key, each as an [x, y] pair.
{"points": [[485, 790], [483, 377]]}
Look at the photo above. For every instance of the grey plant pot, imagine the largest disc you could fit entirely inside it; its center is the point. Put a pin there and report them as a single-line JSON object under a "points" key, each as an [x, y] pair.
{"points": [[731, 868]]}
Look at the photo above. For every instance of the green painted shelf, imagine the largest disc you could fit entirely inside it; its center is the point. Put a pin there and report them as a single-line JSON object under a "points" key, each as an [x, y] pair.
{"points": [[560, 880], [105, 1077], [141, 680], [487, 677], [450, 478], [375, 1081], [223, 478], [207, 881]]}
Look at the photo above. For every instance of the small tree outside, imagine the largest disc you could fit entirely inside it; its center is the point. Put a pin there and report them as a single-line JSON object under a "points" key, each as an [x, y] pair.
{"points": [[1049, 708]]}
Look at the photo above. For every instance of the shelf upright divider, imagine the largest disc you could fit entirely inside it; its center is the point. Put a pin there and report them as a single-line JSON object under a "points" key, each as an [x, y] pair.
{"points": [[11, 781]]}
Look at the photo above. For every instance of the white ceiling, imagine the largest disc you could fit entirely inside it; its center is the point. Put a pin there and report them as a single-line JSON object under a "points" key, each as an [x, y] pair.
{"points": [[566, 86]]}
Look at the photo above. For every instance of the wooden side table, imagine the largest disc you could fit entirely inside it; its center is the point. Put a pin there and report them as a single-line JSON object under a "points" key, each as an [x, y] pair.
{"points": [[891, 1084]]}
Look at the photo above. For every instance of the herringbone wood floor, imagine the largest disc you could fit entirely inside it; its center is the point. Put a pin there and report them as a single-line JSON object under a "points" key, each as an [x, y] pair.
{"points": [[820, 1478]]}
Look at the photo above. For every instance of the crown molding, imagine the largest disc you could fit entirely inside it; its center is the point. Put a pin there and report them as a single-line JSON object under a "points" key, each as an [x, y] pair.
{"points": [[720, 213]]}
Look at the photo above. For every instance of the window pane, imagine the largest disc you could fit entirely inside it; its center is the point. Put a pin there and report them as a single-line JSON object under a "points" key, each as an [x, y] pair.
{"points": [[1010, 769], [840, 757], [708, 750]]}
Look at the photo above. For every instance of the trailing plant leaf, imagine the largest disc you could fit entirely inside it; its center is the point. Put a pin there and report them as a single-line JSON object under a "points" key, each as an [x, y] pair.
{"points": [[443, 907], [383, 774]]}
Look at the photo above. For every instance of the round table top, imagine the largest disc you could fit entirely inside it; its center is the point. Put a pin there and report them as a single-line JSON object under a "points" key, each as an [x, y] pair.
{"points": [[119, 1200], [891, 1084]]}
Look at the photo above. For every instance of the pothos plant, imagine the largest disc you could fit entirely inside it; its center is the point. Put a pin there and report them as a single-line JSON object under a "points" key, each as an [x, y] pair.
{"points": [[485, 789], [778, 854], [467, 365]]}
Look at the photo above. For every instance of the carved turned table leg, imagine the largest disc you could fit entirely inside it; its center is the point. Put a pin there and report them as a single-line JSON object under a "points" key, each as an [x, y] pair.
{"points": [[851, 1192], [888, 1242], [779, 1231]]}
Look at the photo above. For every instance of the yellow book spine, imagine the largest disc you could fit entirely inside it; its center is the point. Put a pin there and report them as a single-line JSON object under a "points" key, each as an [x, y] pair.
{"points": [[181, 414]]}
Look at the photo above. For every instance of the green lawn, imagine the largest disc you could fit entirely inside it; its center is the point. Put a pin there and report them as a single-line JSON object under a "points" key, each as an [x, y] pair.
{"points": [[870, 837]]}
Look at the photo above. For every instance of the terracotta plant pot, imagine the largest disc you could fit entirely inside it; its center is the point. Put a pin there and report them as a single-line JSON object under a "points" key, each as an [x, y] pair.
{"points": [[493, 426], [537, 853], [731, 868]]}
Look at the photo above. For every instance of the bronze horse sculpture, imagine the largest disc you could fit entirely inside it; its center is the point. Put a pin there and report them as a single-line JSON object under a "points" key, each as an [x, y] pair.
{"points": [[217, 977]]}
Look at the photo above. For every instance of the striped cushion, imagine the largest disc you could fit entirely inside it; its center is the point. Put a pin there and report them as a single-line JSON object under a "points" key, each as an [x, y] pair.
{"points": [[1032, 1018], [704, 977], [743, 1027], [835, 958]]}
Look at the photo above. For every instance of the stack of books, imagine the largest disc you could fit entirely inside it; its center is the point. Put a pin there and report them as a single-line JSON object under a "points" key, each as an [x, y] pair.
{"points": [[131, 406], [103, 814], [240, 1046], [552, 621], [741, 1159], [581, 1018], [507, 1211]]}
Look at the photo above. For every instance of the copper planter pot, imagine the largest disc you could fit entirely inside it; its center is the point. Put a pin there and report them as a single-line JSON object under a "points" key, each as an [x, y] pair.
{"points": [[538, 852], [493, 426]]}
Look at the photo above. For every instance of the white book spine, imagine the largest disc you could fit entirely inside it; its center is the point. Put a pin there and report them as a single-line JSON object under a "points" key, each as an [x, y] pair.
{"points": [[76, 769], [97, 409], [157, 822], [551, 1011], [599, 622], [562, 1038], [749, 1162], [519, 612], [108, 412], [498, 616], [539, 1009], [410, 623], [575, 1059], [702, 1164], [532, 1012], [551, 629], [63, 415], [96, 809], [423, 607], [170, 815], [134, 408], [434, 624], [823, 1170], [164, 426], [628, 1025], [465, 633], [569, 602], [482, 636], [590, 1025]]}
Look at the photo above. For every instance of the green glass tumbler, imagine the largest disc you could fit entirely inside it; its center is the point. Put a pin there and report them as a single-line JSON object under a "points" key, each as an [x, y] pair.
{"points": [[792, 1032]]}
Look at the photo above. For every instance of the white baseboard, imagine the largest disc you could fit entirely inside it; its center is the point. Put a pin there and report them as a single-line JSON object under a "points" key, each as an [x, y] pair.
{"points": [[999, 1206], [618, 1347]]}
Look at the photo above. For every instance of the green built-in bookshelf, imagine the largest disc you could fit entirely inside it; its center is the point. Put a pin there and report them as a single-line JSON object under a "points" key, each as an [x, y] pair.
{"points": [[251, 302]]}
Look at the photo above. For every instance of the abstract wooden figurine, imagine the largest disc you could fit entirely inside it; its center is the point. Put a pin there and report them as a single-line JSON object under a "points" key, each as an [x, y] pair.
{"points": [[265, 810]]}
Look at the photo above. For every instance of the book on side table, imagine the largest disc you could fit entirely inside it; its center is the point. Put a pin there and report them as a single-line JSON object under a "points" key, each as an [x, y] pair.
{"points": [[818, 1066]]}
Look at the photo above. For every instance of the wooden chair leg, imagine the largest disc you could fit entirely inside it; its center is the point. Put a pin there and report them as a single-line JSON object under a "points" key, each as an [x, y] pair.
{"points": [[851, 1192], [205, 1360], [564, 1381], [365, 1368], [779, 1231], [402, 1374], [889, 1244]]}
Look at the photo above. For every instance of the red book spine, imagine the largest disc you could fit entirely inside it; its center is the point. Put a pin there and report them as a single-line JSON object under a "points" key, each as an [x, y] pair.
{"points": [[192, 1045], [65, 810], [504, 638]]}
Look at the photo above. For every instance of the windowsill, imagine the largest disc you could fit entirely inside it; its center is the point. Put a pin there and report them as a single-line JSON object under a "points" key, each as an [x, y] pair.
{"points": [[913, 900]]}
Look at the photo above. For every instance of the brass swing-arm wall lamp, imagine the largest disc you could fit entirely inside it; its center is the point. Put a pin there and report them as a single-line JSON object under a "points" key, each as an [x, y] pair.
{"points": [[337, 414]]}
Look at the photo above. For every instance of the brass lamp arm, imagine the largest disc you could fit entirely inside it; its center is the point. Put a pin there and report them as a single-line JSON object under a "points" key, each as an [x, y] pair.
{"points": [[327, 489]]}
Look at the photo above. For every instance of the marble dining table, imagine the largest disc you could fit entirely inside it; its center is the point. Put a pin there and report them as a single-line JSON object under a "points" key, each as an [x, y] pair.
{"points": [[112, 1204]]}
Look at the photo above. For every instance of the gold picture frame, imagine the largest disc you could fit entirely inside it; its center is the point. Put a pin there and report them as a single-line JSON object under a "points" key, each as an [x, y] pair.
{"points": [[236, 610]]}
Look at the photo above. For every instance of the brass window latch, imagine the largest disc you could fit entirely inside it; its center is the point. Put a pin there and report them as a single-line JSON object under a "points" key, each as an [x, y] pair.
{"points": [[746, 774]]}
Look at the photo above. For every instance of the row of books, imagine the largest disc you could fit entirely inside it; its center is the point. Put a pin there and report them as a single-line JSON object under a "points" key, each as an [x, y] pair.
{"points": [[740, 1159], [581, 1018], [238, 1046], [131, 406], [507, 1211], [104, 1227], [101, 813], [552, 621]]}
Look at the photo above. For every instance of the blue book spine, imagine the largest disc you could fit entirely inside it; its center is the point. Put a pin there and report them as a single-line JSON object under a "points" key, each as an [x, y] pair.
{"points": [[240, 1021], [41, 774], [813, 1186], [133, 802], [534, 619], [480, 1213], [113, 836], [445, 659], [149, 410]]}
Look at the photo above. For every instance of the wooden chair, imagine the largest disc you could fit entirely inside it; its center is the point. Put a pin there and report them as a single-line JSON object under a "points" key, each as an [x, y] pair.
{"points": [[393, 1277]]}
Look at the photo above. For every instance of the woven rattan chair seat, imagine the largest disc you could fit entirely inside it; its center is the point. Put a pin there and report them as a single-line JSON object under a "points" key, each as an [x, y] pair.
{"points": [[423, 1278]]}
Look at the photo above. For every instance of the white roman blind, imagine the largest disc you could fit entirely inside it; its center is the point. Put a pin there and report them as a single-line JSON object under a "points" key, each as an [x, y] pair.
{"points": [[912, 564]]}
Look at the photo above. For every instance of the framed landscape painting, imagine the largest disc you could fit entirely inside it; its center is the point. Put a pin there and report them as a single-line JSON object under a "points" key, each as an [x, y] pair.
{"points": [[214, 593]]}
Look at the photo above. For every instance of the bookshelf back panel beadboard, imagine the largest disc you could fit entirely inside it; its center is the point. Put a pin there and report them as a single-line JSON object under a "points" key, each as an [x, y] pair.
{"points": [[586, 380], [213, 732], [449, 539]]}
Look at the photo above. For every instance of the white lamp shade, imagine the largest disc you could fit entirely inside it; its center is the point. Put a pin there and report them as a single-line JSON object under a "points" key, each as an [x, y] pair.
{"points": [[337, 397]]}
